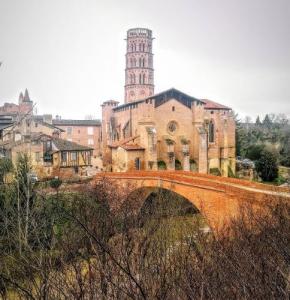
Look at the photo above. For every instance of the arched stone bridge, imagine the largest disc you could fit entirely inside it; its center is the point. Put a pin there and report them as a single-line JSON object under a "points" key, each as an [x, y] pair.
{"points": [[218, 198]]}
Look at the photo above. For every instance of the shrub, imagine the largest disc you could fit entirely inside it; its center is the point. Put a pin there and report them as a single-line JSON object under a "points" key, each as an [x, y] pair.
{"points": [[161, 165], [215, 171], [5, 167], [178, 165], [55, 183]]}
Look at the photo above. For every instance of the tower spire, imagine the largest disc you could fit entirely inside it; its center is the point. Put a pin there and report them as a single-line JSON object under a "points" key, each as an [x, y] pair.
{"points": [[20, 99], [26, 96], [139, 73]]}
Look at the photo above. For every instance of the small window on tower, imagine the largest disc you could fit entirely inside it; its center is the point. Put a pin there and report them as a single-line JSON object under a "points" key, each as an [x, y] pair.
{"points": [[173, 108]]}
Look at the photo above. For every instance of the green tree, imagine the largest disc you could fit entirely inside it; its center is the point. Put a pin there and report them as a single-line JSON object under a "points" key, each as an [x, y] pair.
{"points": [[267, 121], [254, 152], [241, 135], [258, 121], [267, 165]]}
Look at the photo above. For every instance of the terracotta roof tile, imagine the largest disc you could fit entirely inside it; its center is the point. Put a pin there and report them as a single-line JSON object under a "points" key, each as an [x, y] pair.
{"points": [[209, 104]]}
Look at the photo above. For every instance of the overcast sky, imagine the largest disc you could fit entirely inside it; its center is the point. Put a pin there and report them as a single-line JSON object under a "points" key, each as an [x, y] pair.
{"points": [[70, 53]]}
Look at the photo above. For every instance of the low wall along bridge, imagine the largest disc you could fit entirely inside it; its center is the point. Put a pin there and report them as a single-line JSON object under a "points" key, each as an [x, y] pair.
{"points": [[218, 198]]}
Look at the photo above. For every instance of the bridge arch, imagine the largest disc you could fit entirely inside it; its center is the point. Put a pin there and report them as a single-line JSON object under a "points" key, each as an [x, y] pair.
{"points": [[210, 202], [218, 199], [163, 202]]}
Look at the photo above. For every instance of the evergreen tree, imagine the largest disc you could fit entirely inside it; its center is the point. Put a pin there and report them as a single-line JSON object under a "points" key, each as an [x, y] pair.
{"points": [[267, 121], [258, 121]]}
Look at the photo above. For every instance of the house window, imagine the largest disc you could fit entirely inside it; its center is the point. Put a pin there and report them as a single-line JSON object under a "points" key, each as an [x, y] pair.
{"points": [[73, 156], [90, 130], [173, 108], [211, 132], [69, 130], [64, 156], [137, 163], [90, 141]]}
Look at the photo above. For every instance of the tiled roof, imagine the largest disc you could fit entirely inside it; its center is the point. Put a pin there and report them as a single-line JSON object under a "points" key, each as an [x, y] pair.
{"points": [[214, 105], [64, 145], [51, 126], [173, 92], [71, 122]]}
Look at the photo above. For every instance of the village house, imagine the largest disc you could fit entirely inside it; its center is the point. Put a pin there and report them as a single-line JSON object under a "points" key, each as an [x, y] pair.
{"points": [[49, 154], [83, 132]]}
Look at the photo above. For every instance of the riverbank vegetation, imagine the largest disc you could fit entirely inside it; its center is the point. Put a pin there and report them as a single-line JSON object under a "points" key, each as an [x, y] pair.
{"points": [[265, 142]]}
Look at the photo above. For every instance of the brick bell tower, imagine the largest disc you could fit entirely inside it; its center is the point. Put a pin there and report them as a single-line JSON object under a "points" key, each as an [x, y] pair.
{"points": [[139, 73]]}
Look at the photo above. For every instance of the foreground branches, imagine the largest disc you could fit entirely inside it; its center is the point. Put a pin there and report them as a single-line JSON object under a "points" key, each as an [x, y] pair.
{"points": [[97, 244]]}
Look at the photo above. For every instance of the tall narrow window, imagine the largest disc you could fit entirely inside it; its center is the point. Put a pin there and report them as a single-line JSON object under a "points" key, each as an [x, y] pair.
{"points": [[140, 78], [211, 132], [73, 156], [137, 163], [64, 156], [90, 130], [144, 77]]}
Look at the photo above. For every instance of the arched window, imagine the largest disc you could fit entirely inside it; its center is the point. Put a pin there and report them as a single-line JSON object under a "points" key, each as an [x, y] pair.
{"points": [[144, 77], [140, 62], [134, 61], [211, 132], [140, 78], [143, 62], [134, 78]]}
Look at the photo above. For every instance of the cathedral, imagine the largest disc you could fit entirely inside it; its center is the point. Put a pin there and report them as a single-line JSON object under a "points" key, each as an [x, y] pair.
{"points": [[169, 130]]}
